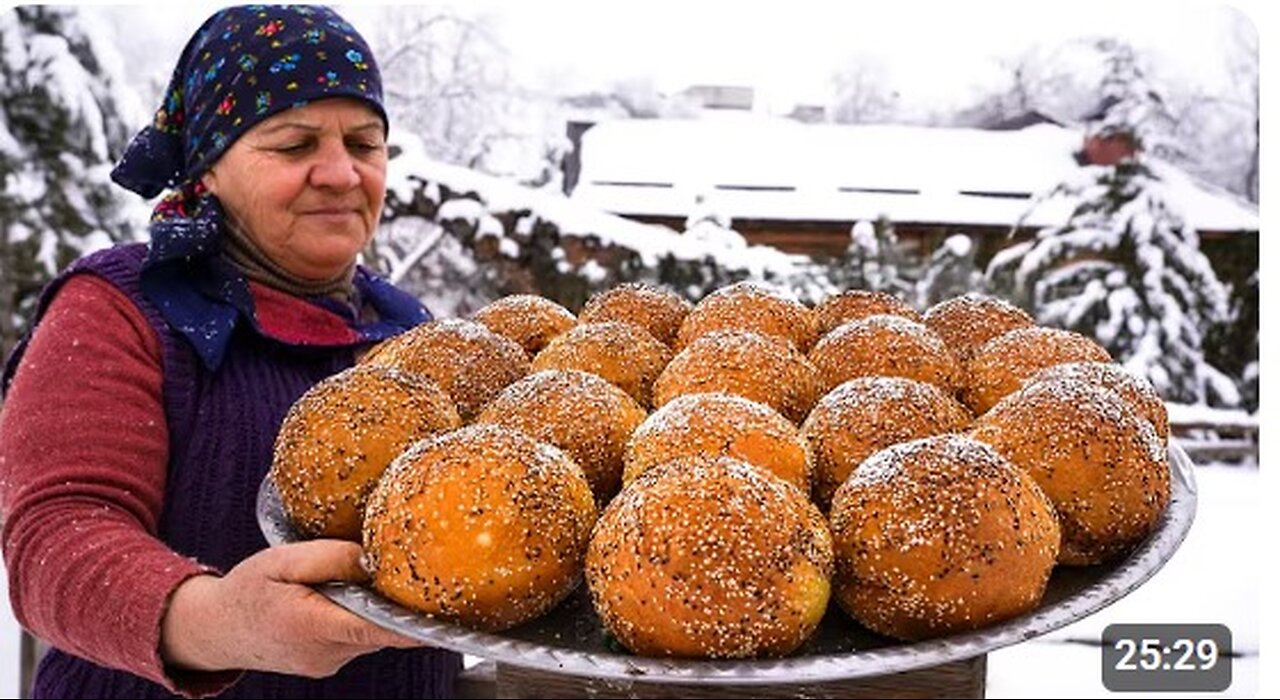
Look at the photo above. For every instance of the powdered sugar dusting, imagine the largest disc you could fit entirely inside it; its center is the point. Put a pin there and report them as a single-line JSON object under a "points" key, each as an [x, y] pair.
{"points": [[1103, 466], [622, 353], [1137, 391], [748, 364], [340, 436], [582, 414], [531, 321], [469, 361], [867, 414], [483, 526], [659, 311], [710, 557], [966, 322], [940, 535], [1001, 365], [720, 424], [855, 304], [884, 345], [748, 307]]}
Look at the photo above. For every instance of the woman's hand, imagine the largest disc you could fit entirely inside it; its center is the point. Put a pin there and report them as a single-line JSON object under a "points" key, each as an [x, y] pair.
{"points": [[263, 616]]}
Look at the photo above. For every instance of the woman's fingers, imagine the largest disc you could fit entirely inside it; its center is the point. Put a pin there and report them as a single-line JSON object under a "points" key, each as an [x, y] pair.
{"points": [[264, 614], [313, 561]]}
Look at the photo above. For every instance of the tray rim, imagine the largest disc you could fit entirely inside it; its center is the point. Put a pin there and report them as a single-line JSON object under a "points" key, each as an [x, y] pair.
{"points": [[1143, 563]]}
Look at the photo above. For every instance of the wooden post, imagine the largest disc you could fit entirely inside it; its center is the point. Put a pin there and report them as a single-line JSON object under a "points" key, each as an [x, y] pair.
{"points": [[956, 679]]}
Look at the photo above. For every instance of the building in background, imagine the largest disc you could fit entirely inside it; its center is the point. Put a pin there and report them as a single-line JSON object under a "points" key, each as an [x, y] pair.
{"points": [[800, 187]]}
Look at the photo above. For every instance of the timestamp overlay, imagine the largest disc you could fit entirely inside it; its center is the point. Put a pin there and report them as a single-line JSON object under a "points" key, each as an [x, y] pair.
{"points": [[1166, 657]]}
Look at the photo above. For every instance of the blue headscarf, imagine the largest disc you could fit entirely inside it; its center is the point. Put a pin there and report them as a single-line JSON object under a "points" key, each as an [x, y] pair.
{"points": [[243, 65]]}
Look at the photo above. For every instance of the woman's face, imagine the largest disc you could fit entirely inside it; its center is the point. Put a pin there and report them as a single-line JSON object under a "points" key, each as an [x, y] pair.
{"points": [[307, 185]]}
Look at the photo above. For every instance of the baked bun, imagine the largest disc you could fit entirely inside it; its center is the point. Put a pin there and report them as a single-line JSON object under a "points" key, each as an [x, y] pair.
{"points": [[966, 322], [339, 437], [857, 304], [749, 307], [531, 321], [1103, 467], [1000, 367], [761, 368], [710, 557], [623, 354], [720, 424], [865, 415], [1135, 390], [582, 414], [467, 360], [483, 526], [886, 346], [940, 535], [659, 311]]}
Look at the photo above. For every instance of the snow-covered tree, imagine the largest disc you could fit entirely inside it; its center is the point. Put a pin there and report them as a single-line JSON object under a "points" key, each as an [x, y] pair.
{"points": [[707, 224], [863, 93], [874, 260], [949, 272], [61, 130], [1126, 269], [448, 80], [1132, 105]]}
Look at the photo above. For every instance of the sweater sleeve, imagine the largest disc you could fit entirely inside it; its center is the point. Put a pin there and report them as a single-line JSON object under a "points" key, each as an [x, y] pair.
{"points": [[83, 462]]}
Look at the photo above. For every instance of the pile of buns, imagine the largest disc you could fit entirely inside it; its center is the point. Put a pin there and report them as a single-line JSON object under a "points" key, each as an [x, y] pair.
{"points": [[719, 472]]}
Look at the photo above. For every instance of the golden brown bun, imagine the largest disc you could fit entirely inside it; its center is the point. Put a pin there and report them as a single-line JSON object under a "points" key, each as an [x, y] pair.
{"points": [[940, 535], [483, 526], [340, 436], [1103, 467], [623, 354], [531, 321], [749, 307], [582, 414], [1135, 390], [1000, 367], [761, 368], [720, 424], [654, 309], [710, 557], [966, 322], [865, 415], [467, 360], [857, 304], [885, 346]]}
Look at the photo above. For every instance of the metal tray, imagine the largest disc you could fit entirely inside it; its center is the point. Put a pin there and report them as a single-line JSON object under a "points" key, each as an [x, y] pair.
{"points": [[570, 639]]}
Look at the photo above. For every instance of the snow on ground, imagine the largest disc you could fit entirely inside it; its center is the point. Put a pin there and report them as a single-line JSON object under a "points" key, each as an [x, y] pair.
{"points": [[1214, 577]]}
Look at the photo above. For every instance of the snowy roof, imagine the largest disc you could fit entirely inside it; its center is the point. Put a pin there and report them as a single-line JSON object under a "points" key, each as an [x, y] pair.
{"points": [[748, 166], [570, 217]]}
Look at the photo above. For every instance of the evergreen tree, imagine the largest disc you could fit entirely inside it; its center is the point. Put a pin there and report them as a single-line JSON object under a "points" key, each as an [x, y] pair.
{"points": [[1131, 104], [61, 130], [1126, 268]]}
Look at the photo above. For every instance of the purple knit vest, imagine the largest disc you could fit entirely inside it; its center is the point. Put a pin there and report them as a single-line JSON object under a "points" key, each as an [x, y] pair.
{"points": [[222, 428]]}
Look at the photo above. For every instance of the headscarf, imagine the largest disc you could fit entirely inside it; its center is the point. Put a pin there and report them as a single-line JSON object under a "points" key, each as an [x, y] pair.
{"points": [[243, 65]]}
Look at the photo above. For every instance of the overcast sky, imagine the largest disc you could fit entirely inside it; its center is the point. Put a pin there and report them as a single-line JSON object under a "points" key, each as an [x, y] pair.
{"points": [[935, 53]]}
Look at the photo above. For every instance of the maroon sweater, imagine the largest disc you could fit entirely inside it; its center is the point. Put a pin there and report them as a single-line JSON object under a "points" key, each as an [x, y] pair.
{"points": [[93, 507], [100, 522]]}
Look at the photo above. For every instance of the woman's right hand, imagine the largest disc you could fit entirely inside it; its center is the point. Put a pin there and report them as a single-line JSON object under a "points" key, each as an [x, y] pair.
{"points": [[263, 615]]}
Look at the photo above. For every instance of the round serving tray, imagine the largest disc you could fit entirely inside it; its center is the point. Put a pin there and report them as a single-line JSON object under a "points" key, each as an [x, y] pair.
{"points": [[571, 640]]}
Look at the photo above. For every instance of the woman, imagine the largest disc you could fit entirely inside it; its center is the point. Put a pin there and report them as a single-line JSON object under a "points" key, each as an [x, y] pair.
{"points": [[141, 411]]}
